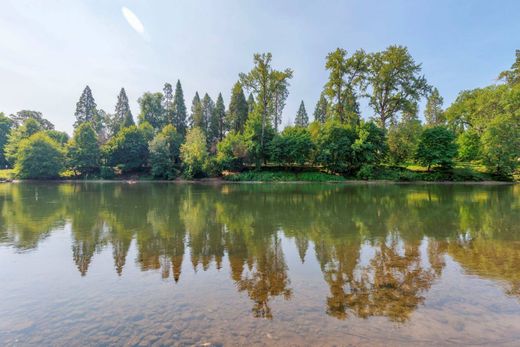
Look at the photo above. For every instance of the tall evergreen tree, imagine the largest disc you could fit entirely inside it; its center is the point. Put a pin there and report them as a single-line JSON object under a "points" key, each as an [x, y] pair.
{"points": [[208, 107], [86, 110], [218, 120], [320, 112], [238, 109], [302, 119], [196, 119], [179, 109], [433, 112], [169, 114], [122, 115]]}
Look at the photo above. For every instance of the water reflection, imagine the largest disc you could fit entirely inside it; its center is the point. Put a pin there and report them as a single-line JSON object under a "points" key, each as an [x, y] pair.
{"points": [[379, 248]]}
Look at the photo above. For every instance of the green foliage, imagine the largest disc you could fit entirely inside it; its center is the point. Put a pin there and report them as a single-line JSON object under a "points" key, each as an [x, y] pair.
{"points": [[283, 176], [179, 110], [20, 117], [232, 151], [434, 113], [122, 116], [258, 145], [83, 151], [501, 146], [128, 149], [468, 144], [165, 153], [436, 147], [194, 153], [59, 136], [39, 157], [403, 139], [512, 76], [395, 83], [28, 128], [238, 109], [106, 173], [292, 146], [152, 110], [301, 119], [5, 128], [86, 111], [334, 146], [196, 118], [320, 112], [370, 147]]}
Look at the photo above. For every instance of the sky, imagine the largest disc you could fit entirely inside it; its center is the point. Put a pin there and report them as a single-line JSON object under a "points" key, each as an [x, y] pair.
{"points": [[50, 50]]}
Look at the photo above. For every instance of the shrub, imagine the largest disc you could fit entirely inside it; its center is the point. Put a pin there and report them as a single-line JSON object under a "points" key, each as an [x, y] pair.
{"points": [[128, 149], [370, 146], [232, 151], [292, 146], [39, 157], [334, 146]]}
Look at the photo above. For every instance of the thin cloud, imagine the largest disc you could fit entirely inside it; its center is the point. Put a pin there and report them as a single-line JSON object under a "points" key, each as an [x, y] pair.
{"points": [[133, 20]]}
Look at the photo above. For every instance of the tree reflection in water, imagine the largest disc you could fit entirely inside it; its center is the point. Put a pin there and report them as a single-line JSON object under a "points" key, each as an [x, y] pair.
{"points": [[379, 248]]}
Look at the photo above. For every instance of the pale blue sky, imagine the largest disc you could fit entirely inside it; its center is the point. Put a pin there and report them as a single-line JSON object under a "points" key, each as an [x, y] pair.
{"points": [[49, 50]]}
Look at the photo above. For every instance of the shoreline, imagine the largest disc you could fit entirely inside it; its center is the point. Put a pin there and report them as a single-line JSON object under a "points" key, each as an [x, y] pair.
{"points": [[220, 181]]}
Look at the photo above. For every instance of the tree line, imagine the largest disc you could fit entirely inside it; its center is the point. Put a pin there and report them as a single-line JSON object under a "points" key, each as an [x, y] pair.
{"points": [[482, 125]]}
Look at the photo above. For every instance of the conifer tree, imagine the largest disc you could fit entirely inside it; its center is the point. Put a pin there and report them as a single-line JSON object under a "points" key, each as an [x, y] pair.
{"points": [[320, 112], [179, 110], [86, 110], [196, 119], [433, 112], [238, 109], [219, 115], [251, 103], [208, 107], [122, 115], [302, 119], [168, 103]]}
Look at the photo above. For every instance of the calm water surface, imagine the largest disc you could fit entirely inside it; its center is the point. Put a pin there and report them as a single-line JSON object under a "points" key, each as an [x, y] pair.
{"points": [[259, 264]]}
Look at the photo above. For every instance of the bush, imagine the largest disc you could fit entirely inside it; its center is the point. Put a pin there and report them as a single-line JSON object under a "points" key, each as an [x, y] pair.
{"points": [[366, 172], [164, 153], [106, 172], [370, 146], [232, 151], [128, 149], [436, 147], [292, 146], [334, 147], [39, 157], [194, 153]]}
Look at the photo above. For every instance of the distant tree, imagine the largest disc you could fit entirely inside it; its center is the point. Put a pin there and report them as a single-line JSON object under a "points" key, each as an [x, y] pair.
{"points": [[334, 146], [346, 75], [5, 128], [15, 137], [501, 146], [208, 107], [232, 151], [83, 151], [403, 138], [217, 121], [39, 157], [128, 149], [152, 110], [320, 112], [264, 82], [21, 116], [122, 116], [179, 110], [169, 113], [395, 83], [512, 76], [194, 153], [59, 136], [253, 132], [86, 111], [238, 109], [292, 146], [436, 147], [165, 152], [469, 145], [196, 117], [433, 113], [301, 119]]}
